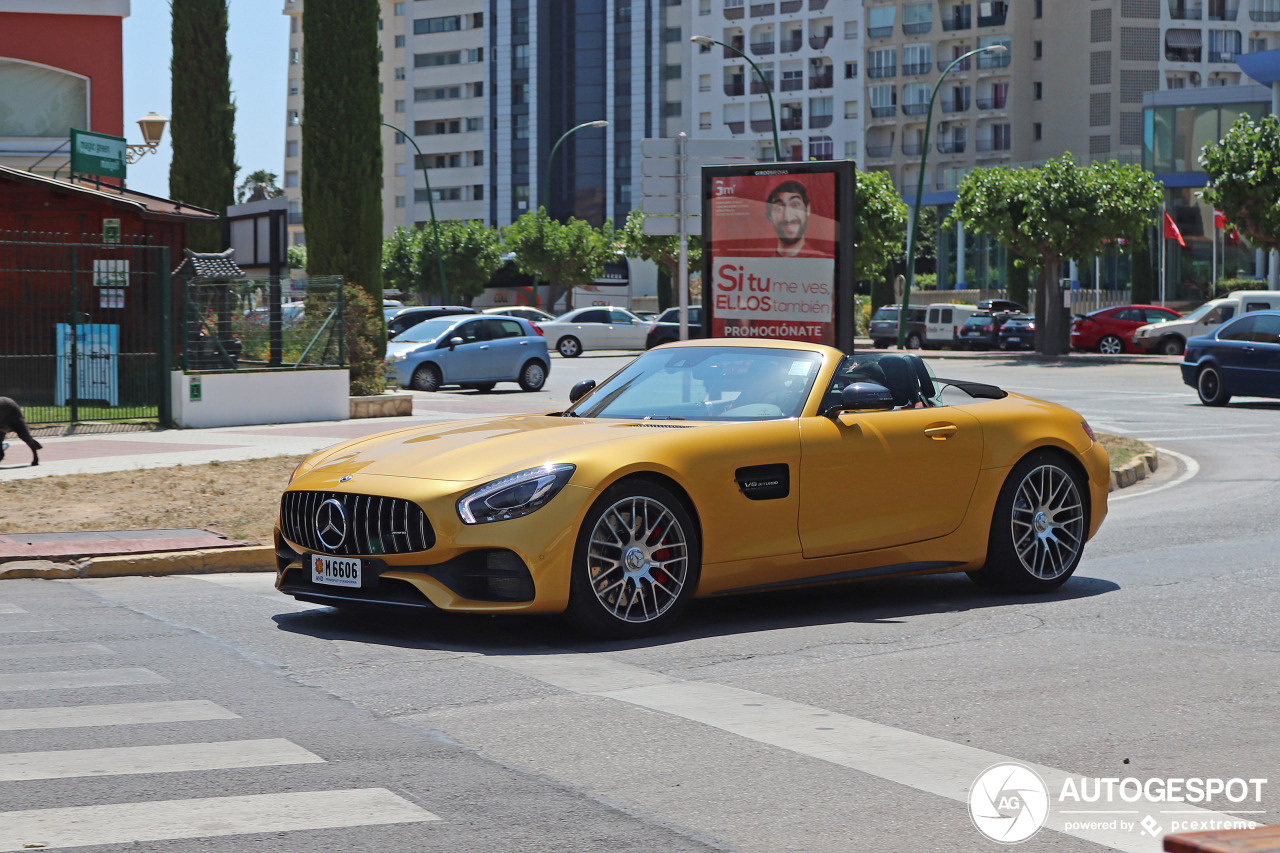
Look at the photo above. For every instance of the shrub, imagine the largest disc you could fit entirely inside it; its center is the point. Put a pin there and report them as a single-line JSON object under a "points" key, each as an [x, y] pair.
{"points": [[362, 332]]}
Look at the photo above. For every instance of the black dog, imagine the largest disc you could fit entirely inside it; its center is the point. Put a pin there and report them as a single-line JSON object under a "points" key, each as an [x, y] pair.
{"points": [[11, 420]]}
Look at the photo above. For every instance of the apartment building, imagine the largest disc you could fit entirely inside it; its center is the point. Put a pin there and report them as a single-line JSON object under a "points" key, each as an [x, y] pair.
{"points": [[1072, 78], [806, 54]]}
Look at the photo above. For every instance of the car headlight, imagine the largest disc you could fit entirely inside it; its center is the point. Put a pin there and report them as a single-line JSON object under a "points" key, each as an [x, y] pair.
{"points": [[398, 356], [514, 495]]}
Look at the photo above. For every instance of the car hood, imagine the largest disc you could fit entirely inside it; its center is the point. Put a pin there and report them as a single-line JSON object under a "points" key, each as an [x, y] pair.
{"points": [[394, 346], [454, 451]]}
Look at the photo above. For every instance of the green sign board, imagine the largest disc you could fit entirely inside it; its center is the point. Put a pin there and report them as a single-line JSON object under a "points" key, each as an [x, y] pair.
{"points": [[97, 154]]}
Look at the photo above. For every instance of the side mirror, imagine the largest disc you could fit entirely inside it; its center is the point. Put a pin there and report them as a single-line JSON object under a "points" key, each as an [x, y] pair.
{"points": [[580, 389], [864, 396], [455, 341]]}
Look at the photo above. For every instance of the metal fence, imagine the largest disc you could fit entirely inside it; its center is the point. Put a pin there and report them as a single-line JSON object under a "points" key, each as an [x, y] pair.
{"points": [[245, 325], [84, 327], [1077, 301]]}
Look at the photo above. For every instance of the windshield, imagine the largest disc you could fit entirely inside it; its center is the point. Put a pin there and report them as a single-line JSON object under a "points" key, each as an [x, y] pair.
{"points": [[426, 331], [978, 320], [672, 315], [706, 383], [1195, 315]]}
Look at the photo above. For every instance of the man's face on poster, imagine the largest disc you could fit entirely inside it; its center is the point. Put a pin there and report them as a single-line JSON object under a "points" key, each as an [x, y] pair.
{"points": [[789, 213]]}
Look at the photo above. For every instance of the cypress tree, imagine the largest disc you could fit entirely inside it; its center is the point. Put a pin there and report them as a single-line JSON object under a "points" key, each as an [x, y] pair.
{"points": [[341, 142], [203, 170]]}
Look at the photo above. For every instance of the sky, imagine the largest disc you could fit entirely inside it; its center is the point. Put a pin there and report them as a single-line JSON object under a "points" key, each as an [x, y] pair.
{"points": [[258, 40]]}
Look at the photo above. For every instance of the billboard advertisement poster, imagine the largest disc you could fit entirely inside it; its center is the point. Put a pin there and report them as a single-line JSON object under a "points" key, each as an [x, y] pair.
{"points": [[777, 249]]}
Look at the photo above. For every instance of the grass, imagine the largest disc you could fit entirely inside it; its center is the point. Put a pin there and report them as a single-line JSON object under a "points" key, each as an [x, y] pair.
{"points": [[239, 499]]}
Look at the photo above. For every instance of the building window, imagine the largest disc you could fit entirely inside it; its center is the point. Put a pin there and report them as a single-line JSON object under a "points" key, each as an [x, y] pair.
{"points": [[477, 192], [399, 8], [399, 107], [477, 158], [294, 118], [290, 178], [475, 123], [671, 35], [430, 60], [443, 24], [400, 73], [295, 56], [295, 87], [1038, 49], [1037, 91], [850, 70], [1039, 14], [291, 148], [520, 126], [399, 201], [400, 170], [520, 56], [399, 41], [1036, 131]]}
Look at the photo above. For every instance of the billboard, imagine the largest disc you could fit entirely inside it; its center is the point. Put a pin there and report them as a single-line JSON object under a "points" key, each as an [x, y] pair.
{"points": [[778, 251]]}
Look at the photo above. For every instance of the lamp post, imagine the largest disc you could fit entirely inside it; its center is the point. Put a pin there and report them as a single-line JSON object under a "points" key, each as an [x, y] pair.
{"points": [[915, 214], [546, 186], [152, 126], [707, 41], [431, 205]]}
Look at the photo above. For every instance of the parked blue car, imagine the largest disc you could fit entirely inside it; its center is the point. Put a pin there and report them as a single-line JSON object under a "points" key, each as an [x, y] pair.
{"points": [[1240, 357], [473, 351]]}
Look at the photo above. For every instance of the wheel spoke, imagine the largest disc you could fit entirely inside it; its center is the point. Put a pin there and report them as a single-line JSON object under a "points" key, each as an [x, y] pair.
{"points": [[638, 558], [1047, 522]]}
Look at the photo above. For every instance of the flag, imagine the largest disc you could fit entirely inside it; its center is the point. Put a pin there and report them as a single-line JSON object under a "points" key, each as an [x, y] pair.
{"points": [[1219, 219], [1233, 239], [1171, 231]]}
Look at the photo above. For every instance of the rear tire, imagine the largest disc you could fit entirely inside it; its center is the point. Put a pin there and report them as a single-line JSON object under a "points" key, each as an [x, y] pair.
{"points": [[1038, 529], [1172, 345], [882, 343], [1110, 345], [569, 347], [426, 378], [533, 375], [1210, 389], [914, 341]]}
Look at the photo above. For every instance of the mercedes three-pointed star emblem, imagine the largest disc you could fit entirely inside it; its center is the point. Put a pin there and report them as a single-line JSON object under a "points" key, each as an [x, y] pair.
{"points": [[331, 524]]}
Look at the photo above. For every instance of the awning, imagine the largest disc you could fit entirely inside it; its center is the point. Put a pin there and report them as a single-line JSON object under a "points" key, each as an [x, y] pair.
{"points": [[1183, 39]]}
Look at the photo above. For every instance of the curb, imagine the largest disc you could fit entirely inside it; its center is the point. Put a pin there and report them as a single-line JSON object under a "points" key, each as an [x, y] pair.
{"points": [[256, 558], [382, 406], [1135, 470]]}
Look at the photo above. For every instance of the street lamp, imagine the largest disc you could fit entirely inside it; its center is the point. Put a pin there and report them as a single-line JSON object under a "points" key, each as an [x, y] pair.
{"points": [[152, 126], [707, 41], [546, 186], [431, 205], [915, 215]]}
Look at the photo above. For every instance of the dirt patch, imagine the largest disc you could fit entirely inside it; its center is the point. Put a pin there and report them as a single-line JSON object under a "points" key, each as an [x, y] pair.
{"points": [[1122, 450], [239, 499]]}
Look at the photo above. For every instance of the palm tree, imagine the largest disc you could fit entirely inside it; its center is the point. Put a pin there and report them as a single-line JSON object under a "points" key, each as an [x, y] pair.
{"points": [[257, 186]]}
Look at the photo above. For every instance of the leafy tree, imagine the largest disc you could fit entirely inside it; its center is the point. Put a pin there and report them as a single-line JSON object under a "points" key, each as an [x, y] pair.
{"points": [[1054, 213], [342, 154], [1244, 178], [568, 254], [401, 250], [362, 324], [203, 169], [471, 253], [341, 142], [297, 256], [880, 226], [257, 186]]}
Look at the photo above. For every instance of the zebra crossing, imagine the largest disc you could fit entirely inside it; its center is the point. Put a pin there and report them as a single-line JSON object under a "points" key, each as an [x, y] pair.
{"points": [[66, 824]]}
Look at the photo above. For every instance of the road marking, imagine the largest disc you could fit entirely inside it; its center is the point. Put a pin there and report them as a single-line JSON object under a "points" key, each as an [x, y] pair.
{"points": [[1192, 467], [15, 624], [1204, 436], [6, 607], [78, 678], [52, 650], [133, 760], [907, 758], [125, 714], [125, 823]]}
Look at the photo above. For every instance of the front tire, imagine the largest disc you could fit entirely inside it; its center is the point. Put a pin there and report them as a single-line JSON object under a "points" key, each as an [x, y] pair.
{"points": [[914, 341], [1038, 529], [636, 564], [426, 378], [1110, 345], [1210, 389], [533, 376], [1172, 345], [569, 347], [882, 343]]}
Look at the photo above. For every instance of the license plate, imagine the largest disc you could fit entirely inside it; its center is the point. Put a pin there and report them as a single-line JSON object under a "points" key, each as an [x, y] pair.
{"points": [[1015, 340], [335, 571]]}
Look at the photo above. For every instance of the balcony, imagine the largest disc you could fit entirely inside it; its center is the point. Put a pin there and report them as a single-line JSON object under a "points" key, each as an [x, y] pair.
{"points": [[791, 123], [735, 88], [915, 109], [822, 81], [955, 105], [951, 146], [736, 126], [760, 10], [994, 60], [879, 151], [877, 72], [790, 45], [992, 102], [789, 6], [918, 28], [1182, 12], [879, 32], [761, 125], [912, 149], [762, 48], [993, 145], [759, 87], [792, 84], [1221, 56], [964, 65], [819, 42], [733, 13], [816, 122], [1266, 15], [733, 49], [817, 5], [1188, 54], [884, 112], [909, 68], [999, 12], [960, 19]]}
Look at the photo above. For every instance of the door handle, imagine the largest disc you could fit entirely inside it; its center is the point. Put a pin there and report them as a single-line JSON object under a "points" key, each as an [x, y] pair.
{"points": [[941, 432], [1248, 349]]}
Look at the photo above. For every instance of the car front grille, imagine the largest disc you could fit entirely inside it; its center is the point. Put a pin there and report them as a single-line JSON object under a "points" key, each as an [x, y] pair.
{"points": [[346, 524]]}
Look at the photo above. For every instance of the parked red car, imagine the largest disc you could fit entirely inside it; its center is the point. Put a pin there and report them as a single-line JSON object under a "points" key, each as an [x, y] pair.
{"points": [[1110, 330]]}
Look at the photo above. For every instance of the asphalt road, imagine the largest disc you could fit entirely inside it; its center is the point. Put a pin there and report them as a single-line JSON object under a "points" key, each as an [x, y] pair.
{"points": [[843, 719]]}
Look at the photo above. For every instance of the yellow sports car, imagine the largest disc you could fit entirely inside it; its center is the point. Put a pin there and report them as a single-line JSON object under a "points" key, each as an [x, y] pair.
{"points": [[702, 468]]}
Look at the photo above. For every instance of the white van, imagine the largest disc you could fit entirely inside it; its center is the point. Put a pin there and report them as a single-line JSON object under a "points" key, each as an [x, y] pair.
{"points": [[943, 322], [1170, 337]]}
